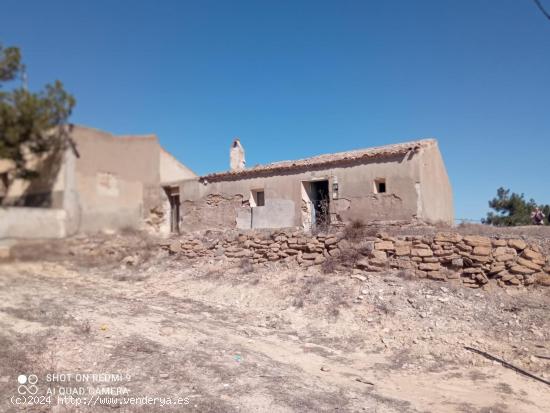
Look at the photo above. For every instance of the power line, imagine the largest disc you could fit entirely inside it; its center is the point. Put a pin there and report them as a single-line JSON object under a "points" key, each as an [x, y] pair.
{"points": [[541, 8]]}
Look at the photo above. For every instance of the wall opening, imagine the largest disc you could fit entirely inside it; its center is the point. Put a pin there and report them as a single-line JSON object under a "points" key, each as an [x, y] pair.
{"points": [[173, 194], [257, 198], [317, 204], [380, 186]]}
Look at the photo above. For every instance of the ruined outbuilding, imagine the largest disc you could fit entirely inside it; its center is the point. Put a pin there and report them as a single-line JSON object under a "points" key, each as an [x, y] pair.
{"points": [[100, 182], [399, 183]]}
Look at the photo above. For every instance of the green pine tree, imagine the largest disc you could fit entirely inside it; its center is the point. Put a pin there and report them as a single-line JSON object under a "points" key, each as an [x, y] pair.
{"points": [[31, 124], [512, 209]]}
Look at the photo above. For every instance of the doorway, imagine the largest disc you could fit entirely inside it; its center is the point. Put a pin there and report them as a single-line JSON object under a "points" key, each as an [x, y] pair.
{"points": [[316, 209], [173, 194]]}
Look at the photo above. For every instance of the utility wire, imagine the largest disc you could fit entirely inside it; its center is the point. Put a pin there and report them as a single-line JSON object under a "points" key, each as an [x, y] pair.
{"points": [[541, 8]]}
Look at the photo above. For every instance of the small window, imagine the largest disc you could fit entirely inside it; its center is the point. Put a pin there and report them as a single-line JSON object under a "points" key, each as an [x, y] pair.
{"points": [[257, 198], [380, 186]]}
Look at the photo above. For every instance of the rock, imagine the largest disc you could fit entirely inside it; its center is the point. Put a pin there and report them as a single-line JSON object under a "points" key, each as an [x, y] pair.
{"points": [[320, 259], [518, 269], [311, 255], [457, 263], [517, 244], [362, 263], [379, 255], [504, 251], [384, 246], [422, 252], [505, 257], [335, 252], [482, 259], [421, 245], [532, 255], [429, 266], [496, 268], [470, 271], [451, 237], [344, 244], [529, 264], [436, 275], [239, 253], [402, 250], [463, 247], [175, 247], [130, 260], [499, 242], [482, 251], [376, 262], [507, 276], [542, 279], [358, 277], [477, 241], [330, 241], [404, 264]]}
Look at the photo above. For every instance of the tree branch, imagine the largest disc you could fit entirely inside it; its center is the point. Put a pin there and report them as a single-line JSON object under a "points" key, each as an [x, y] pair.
{"points": [[541, 8]]}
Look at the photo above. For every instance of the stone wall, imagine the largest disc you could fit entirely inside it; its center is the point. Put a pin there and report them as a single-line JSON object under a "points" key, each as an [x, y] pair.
{"points": [[471, 259]]}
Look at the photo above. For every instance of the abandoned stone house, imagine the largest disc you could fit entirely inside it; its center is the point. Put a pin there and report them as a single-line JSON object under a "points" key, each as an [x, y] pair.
{"points": [[402, 183], [114, 182], [102, 182]]}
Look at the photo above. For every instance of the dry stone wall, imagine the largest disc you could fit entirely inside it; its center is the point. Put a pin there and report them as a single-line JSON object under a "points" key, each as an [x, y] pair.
{"points": [[471, 259]]}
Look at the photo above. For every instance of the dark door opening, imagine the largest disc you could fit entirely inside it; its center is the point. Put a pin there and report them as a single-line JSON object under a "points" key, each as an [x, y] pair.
{"points": [[319, 196], [173, 194]]}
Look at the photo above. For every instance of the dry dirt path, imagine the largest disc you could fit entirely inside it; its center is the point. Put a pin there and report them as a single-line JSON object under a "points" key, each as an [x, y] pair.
{"points": [[267, 341]]}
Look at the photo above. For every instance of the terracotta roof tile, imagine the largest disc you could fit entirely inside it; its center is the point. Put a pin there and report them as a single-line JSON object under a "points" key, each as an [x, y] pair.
{"points": [[328, 160]]}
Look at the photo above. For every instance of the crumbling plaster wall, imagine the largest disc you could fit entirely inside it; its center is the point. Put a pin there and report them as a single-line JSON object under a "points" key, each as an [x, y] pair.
{"points": [[171, 170], [356, 198], [436, 195], [117, 179]]}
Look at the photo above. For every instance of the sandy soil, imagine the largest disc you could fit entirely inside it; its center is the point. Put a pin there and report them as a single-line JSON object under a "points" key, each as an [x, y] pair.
{"points": [[229, 338]]}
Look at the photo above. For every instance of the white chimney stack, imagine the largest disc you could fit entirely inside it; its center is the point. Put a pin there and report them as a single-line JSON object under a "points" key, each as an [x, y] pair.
{"points": [[236, 156]]}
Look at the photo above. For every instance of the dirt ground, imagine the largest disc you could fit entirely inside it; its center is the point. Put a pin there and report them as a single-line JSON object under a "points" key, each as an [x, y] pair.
{"points": [[228, 337]]}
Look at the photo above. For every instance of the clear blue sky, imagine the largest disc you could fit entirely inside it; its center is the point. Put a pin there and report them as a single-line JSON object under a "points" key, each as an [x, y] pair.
{"points": [[299, 78]]}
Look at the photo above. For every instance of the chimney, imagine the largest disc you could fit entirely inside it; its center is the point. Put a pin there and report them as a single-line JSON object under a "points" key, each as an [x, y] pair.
{"points": [[236, 156]]}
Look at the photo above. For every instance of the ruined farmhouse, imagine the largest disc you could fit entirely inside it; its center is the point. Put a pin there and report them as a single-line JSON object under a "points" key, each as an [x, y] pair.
{"points": [[104, 181], [399, 183]]}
